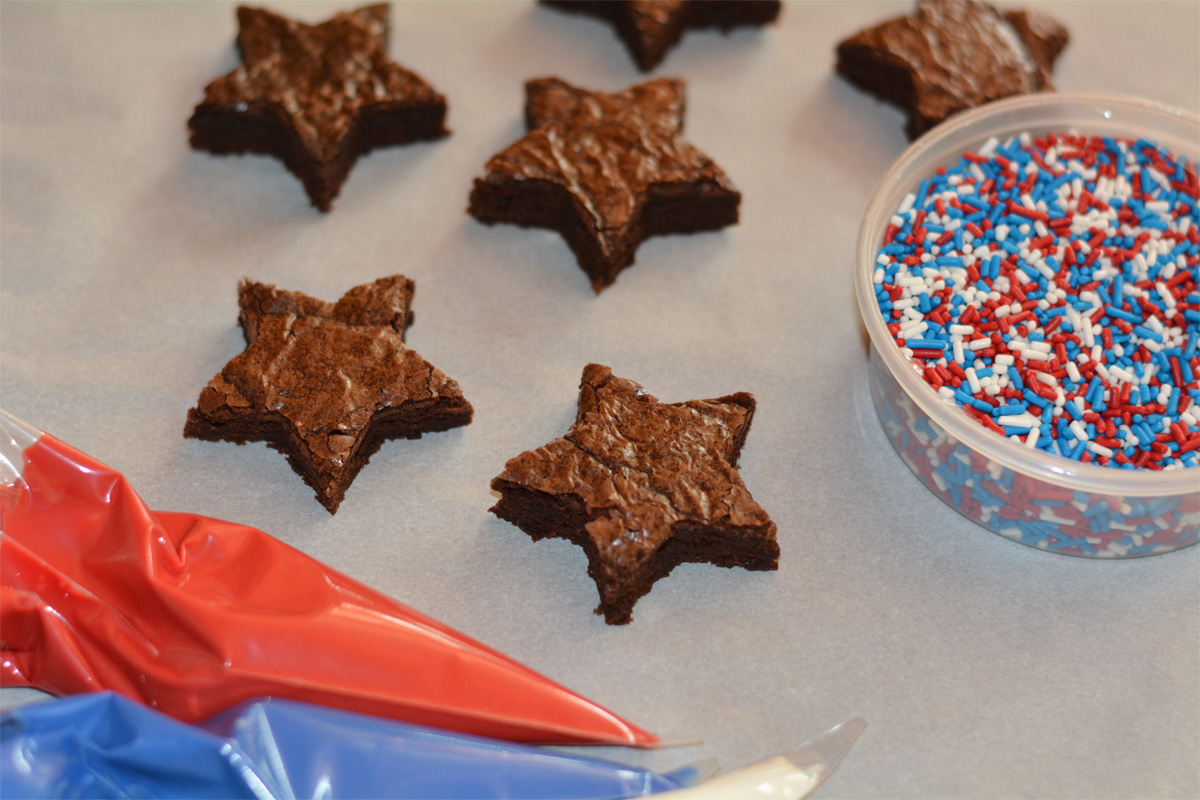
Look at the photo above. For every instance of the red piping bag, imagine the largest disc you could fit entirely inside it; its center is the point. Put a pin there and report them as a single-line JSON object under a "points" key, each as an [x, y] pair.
{"points": [[192, 615]]}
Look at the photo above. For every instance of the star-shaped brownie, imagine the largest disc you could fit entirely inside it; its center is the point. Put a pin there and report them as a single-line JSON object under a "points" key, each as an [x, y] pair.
{"points": [[952, 55], [326, 383], [316, 97], [606, 171], [650, 28], [641, 486]]}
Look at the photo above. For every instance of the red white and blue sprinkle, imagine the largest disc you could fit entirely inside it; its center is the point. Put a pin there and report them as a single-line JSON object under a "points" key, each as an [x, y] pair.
{"points": [[1028, 509], [1049, 286]]}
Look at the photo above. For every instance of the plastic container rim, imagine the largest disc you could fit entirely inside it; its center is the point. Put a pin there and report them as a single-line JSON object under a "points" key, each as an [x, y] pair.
{"points": [[949, 415]]}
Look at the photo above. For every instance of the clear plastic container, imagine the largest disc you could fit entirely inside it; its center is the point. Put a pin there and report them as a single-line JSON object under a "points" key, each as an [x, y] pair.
{"points": [[1045, 501]]}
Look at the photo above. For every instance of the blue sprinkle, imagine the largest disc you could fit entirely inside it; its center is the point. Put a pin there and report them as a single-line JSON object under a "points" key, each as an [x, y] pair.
{"points": [[1146, 333], [1128, 316], [922, 193]]}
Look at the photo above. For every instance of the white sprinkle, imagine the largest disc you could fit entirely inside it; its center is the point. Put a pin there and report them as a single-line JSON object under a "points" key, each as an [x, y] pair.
{"points": [[1041, 266], [1074, 318], [1018, 421], [1099, 449], [979, 344], [1076, 427], [1073, 372], [973, 380], [1004, 360], [1032, 438], [1122, 375]]}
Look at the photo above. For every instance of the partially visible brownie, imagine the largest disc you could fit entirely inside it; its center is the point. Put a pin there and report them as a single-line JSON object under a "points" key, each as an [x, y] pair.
{"points": [[650, 28], [327, 383], [316, 97], [642, 486], [606, 171], [952, 55]]}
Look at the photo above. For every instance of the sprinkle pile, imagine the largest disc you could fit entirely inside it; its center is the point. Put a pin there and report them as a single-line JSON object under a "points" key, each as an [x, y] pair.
{"points": [[1049, 286], [1023, 508]]}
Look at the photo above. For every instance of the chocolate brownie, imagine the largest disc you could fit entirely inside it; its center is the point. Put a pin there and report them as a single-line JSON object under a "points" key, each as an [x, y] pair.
{"points": [[606, 171], [326, 383], [650, 28], [952, 55], [316, 97], [641, 486]]}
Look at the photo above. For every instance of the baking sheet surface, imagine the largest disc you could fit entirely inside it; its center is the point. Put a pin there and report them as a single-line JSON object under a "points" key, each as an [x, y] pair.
{"points": [[984, 668]]}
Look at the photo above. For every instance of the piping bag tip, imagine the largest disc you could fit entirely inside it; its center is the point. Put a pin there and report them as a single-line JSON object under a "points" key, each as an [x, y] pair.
{"points": [[791, 775], [15, 436], [191, 615]]}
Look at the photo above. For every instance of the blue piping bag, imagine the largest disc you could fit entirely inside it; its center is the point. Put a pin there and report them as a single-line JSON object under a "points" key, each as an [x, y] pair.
{"points": [[104, 745]]}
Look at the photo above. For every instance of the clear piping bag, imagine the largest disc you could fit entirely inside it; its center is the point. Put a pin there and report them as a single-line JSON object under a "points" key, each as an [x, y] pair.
{"points": [[192, 615]]}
